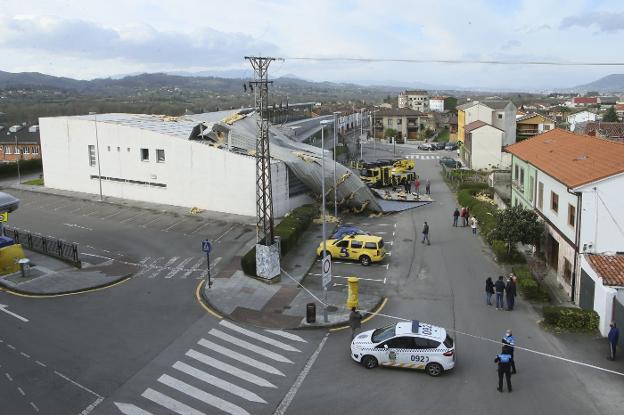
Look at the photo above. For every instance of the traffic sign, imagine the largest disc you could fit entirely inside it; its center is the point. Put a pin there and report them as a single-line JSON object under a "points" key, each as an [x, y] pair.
{"points": [[326, 266], [206, 246]]}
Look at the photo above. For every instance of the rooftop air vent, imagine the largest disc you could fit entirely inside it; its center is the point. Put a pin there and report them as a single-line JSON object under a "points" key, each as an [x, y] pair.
{"points": [[548, 141], [581, 157]]}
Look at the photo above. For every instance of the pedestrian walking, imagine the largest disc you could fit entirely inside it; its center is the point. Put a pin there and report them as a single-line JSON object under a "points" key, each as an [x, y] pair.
{"points": [[489, 290], [462, 215], [428, 187], [455, 216], [504, 368], [355, 321], [408, 186], [614, 335], [499, 289], [473, 225], [510, 340], [466, 216], [510, 293], [417, 184], [425, 233]]}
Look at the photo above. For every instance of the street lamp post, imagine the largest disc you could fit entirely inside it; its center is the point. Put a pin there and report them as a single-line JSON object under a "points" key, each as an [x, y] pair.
{"points": [[323, 123], [361, 133], [97, 146], [19, 156], [335, 191]]}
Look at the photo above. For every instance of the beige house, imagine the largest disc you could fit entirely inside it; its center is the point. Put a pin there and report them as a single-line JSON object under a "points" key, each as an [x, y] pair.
{"points": [[415, 100], [482, 147], [407, 122]]}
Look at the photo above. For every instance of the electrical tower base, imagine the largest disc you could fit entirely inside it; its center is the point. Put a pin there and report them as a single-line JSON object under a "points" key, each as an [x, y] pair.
{"points": [[268, 261]]}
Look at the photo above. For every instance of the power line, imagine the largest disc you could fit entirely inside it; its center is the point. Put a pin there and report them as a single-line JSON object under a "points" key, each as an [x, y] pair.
{"points": [[452, 61]]}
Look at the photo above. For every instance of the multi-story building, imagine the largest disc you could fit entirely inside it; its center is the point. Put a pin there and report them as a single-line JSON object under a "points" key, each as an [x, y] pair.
{"points": [[482, 148], [532, 124], [579, 117], [499, 113], [415, 100], [574, 184], [19, 142], [584, 101], [407, 122], [436, 104]]}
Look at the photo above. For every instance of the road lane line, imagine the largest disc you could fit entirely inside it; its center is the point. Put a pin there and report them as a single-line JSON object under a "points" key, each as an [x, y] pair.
{"points": [[111, 215], [224, 233], [21, 391], [84, 388], [239, 357], [8, 376], [169, 403], [286, 335], [290, 395], [200, 395], [34, 406], [161, 268], [218, 382], [150, 221], [40, 363], [251, 347], [346, 278], [259, 337], [129, 409], [227, 368]]}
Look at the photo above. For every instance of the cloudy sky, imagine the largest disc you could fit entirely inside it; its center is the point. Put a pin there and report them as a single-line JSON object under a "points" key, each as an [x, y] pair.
{"points": [[87, 39]]}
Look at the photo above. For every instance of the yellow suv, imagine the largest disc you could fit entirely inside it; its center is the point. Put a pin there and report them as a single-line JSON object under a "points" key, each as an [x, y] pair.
{"points": [[363, 248]]}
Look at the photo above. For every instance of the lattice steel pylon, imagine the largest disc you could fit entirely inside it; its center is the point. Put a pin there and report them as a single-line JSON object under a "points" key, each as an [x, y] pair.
{"points": [[267, 251]]}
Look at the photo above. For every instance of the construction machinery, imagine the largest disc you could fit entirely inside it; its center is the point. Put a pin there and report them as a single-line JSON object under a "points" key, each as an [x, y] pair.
{"points": [[383, 173]]}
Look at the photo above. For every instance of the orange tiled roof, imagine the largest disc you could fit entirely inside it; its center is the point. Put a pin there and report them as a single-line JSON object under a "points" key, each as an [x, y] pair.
{"points": [[572, 159], [609, 267]]}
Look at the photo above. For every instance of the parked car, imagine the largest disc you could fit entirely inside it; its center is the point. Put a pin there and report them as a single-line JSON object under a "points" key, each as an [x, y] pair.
{"points": [[450, 162], [450, 146], [426, 147], [363, 248], [439, 146]]}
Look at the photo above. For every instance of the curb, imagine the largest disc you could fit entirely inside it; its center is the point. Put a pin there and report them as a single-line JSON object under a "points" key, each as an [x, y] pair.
{"points": [[24, 293]]}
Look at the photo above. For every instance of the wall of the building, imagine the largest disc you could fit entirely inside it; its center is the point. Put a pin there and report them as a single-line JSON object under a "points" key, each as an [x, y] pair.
{"points": [[486, 148], [461, 123], [478, 112], [559, 219], [507, 123], [603, 297], [523, 193], [436, 105], [8, 152], [194, 174], [582, 116]]}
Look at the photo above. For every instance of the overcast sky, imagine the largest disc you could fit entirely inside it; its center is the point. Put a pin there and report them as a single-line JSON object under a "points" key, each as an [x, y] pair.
{"points": [[87, 39]]}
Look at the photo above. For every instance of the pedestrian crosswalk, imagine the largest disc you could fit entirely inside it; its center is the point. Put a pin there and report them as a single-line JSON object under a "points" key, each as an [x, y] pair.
{"points": [[175, 267], [231, 370], [422, 156]]}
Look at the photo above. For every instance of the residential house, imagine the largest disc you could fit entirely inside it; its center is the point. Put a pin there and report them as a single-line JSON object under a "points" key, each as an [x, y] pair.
{"points": [[574, 183], [436, 104], [584, 101], [619, 110], [407, 122], [20, 142], [499, 113], [609, 100], [610, 130], [415, 100], [482, 147], [580, 116], [533, 124]]}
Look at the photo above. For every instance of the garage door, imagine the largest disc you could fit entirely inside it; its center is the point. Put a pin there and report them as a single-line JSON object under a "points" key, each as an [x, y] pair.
{"points": [[586, 294]]}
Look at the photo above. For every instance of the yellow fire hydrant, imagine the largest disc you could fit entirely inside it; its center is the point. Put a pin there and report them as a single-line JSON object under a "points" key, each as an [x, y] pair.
{"points": [[352, 295]]}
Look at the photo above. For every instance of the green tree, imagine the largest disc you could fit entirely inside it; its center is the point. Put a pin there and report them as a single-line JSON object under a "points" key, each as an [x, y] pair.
{"points": [[450, 104], [391, 132], [517, 224], [610, 115], [592, 93]]}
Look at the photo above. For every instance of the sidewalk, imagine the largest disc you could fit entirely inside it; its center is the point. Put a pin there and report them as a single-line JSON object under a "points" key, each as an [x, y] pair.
{"points": [[51, 276], [282, 304]]}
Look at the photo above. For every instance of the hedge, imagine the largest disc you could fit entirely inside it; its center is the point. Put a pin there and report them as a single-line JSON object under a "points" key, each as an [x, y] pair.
{"points": [[26, 166], [569, 318], [500, 251], [484, 212], [289, 230], [529, 286]]}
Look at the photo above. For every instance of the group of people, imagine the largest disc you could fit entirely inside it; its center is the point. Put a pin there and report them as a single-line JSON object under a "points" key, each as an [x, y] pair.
{"points": [[466, 218], [408, 186], [502, 290]]}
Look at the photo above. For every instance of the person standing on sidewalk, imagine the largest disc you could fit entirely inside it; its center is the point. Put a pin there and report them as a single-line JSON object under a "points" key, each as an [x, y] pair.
{"points": [[355, 321], [455, 217], [417, 184], [489, 290], [510, 341], [425, 233], [466, 216], [504, 368], [510, 293], [428, 187], [499, 288], [473, 225], [462, 215], [614, 336]]}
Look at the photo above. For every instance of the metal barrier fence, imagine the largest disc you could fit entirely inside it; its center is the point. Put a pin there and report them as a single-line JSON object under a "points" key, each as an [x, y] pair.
{"points": [[45, 244]]}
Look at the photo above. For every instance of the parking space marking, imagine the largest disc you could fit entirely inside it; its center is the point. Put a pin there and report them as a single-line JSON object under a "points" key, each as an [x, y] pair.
{"points": [[111, 215], [91, 213], [359, 278], [224, 233], [206, 223], [150, 221], [176, 223], [61, 207], [75, 210], [131, 217]]}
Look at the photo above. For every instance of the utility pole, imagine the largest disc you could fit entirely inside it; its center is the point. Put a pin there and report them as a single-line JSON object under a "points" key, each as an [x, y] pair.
{"points": [[267, 250], [19, 156], [361, 132], [97, 147], [335, 134]]}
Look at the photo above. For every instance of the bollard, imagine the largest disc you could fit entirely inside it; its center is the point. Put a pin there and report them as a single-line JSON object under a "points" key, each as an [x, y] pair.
{"points": [[311, 313], [352, 295]]}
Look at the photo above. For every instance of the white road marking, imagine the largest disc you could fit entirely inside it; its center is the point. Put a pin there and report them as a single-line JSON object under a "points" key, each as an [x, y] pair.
{"points": [[169, 403], [227, 368], [131, 217], [40, 363], [129, 409], [21, 391], [177, 269], [194, 267], [251, 347], [150, 221], [92, 406], [84, 388], [34, 406], [176, 223], [239, 357], [8, 376], [343, 277], [389, 243], [73, 225], [27, 356], [259, 337], [160, 269], [223, 234], [111, 215], [10, 346], [200, 395], [61, 207], [3, 308], [287, 335], [290, 395], [201, 227], [217, 382], [381, 233], [383, 224]]}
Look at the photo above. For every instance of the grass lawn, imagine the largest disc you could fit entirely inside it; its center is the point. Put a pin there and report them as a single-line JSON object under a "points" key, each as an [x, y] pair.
{"points": [[35, 182]]}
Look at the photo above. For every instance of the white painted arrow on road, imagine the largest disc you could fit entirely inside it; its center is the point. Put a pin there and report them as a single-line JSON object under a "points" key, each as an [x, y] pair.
{"points": [[4, 307]]}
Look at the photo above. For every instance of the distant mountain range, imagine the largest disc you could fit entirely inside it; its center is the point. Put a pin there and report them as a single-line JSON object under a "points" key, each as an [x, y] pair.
{"points": [[608, 84]]}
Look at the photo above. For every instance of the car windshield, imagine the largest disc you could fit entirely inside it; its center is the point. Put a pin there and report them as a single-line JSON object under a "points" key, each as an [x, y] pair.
{"points": [[448, 342], [383, 334]]}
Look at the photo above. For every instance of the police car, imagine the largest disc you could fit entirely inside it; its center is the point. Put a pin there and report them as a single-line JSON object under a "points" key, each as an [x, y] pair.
{"points": [[408, 344]]}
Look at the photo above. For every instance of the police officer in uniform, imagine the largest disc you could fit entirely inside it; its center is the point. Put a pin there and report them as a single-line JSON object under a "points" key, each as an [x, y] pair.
{"points": [[504, 368], [510, 340]]}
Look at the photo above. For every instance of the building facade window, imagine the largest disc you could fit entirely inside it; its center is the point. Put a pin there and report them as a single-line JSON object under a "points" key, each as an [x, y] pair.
{"points": [[26, 150], [522, 177], [160, 156], [554, 202], [91, 155], [7, 150], [144, 154], [531, 189], [546, 127], [540, 195], [516, 172], [571, 215], [36, 150], [500, 116]]}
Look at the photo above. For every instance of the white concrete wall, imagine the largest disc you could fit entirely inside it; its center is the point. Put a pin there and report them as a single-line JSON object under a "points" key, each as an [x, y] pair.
{"points": [[478, 112], [195, 174], [436, 105], [602, 223], [486, 148], [603, 297], [560, 219], [507, 123], [582, 116]]}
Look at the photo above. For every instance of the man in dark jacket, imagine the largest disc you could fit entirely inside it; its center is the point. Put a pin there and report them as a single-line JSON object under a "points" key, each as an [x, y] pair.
{"points": [[614, 336], [455, 217], [510, 293], [425, 233], [355, 321], [504, 368], [489, 290], [499, 288]]}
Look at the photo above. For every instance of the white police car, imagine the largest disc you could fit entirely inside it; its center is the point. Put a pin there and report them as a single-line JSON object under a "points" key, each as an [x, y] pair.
{"points": [[408, 344]]}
